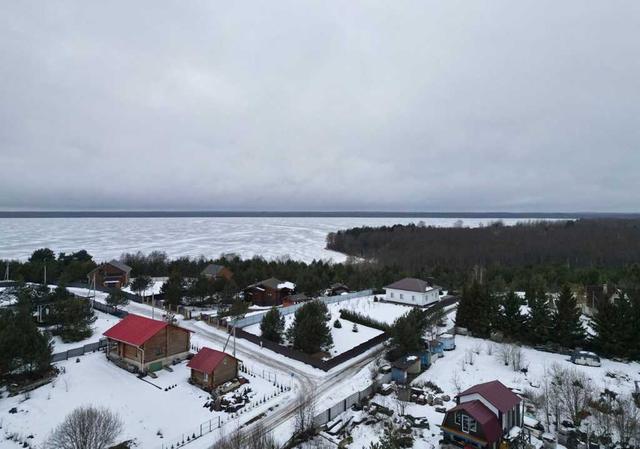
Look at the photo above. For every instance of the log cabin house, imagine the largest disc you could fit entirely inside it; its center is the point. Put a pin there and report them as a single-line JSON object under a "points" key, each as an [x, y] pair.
{"points": [[211, 368], [483, 416], [214, 271], [270, 292], [145, 345], [112, 274]]}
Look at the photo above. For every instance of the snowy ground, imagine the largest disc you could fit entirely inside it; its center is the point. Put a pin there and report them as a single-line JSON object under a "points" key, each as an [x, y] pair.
{"points": [[343, 338], [380, 311], [153, 289], [301, 238], [454, 373], [146, 409], [104, 321]]}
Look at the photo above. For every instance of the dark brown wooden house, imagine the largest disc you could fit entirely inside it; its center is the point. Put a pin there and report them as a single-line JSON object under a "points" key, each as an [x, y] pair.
{"points": [[143, 344], [337, 289], [484, 414], [110, 274], [214, 271], [210, 368], [270, 292]]}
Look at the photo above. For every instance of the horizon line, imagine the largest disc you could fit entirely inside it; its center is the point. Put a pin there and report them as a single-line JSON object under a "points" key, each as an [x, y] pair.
{"points": [[307, 213]]}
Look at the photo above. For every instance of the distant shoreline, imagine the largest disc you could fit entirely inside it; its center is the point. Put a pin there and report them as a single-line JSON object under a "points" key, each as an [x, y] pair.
{"points": [[304, 214]]}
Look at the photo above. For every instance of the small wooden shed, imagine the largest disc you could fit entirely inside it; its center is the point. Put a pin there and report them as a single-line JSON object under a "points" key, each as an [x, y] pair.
{"points": [[210, 368]]}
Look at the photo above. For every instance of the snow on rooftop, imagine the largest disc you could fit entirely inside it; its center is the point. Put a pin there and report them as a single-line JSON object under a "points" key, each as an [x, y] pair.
{"points": [[287, 284]]}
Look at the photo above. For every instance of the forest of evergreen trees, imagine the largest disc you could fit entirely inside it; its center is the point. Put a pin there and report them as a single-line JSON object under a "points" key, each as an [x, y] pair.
{"points": [[585, 251], [539, 320]]}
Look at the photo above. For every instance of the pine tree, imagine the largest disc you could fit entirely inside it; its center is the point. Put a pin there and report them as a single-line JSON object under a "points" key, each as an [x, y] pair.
{"points": [[116, 298], [140, 284], [511, 320], [606, 324], [408, 331], [477, 310], [539, 322], [74, 317], [272, 326], [309, 331], [173, 290], [567, 327]]}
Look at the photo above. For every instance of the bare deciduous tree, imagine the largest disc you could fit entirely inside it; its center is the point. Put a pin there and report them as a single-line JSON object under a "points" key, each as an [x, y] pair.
{"points": [[504, 353], [574, 392], [626, 419], [87, 427], [305, 411], [517, 358]]}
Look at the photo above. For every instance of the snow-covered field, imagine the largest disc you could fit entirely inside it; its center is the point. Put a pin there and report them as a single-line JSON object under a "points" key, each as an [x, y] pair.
{"points": [[344, 338], [454, 373], [380, 311], [301, 238], [153, 289], [150, 414]]}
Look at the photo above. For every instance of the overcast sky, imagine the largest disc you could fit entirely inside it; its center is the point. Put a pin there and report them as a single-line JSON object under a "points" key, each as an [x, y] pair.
{"points": [[304, 105]]}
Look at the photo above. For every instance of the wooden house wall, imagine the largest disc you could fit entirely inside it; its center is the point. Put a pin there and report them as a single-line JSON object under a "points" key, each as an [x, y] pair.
{"points": [[450, 423]]}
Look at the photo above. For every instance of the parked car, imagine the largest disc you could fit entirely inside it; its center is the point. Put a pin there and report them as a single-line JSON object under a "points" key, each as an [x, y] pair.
{"points": [[585, 358]]}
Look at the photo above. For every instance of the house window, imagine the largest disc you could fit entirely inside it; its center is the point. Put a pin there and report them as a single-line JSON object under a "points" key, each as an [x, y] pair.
{"points": [[401, 296], [473, 426], [413, 298], [457, 418], [392, 294], [206, 377], [158, 351], [465, 423]]}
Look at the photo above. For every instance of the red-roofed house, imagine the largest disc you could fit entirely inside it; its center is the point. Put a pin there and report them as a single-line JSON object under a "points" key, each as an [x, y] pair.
{"points": [[210, 368], [143, 344], [483, 415]]}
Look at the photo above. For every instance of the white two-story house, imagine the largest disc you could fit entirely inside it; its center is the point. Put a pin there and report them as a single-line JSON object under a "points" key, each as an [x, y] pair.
{"points": [[412, 291]]}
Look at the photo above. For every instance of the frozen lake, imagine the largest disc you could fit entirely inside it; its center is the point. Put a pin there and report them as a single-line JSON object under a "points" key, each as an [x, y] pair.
{"points": [[300, 238]]}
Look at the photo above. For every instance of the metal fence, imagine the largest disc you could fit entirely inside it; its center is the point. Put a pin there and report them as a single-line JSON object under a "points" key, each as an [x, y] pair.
{"points": [[300, 356], [355, 398], [254, 319], [76, 352]]}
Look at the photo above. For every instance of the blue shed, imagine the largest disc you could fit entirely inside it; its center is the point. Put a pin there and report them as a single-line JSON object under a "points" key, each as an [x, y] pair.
{"points": [[448, 342], [424, 356], [403, 367], [436, 348]]}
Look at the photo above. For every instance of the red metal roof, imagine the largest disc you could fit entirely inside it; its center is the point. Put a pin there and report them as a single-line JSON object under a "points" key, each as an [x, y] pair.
{"points": [[485, 417], [496, 393], [135, 329], [206, 360]]}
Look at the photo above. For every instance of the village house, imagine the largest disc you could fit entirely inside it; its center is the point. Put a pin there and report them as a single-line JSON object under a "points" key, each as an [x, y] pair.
{"points": [[270, 292], [412, 291], [145, 345], [483, 416], [214, 271], [112, 274], [337, 289], [298, 298], [210, 368]]}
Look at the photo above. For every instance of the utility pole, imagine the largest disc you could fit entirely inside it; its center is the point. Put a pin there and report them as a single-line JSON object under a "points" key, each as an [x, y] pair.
{"points": [[6, 273], [45, 273]]}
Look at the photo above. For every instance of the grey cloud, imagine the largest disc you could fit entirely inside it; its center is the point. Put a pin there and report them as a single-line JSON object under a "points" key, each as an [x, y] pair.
{"points": [[530, 105]]}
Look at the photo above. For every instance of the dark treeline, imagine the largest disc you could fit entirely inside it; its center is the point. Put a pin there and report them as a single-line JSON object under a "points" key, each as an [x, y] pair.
{"points": [[311, 278], [553, 322], [585, 251]]}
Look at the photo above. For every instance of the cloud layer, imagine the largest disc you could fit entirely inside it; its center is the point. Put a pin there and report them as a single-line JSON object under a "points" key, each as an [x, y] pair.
{"points": [[288, 105]]}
